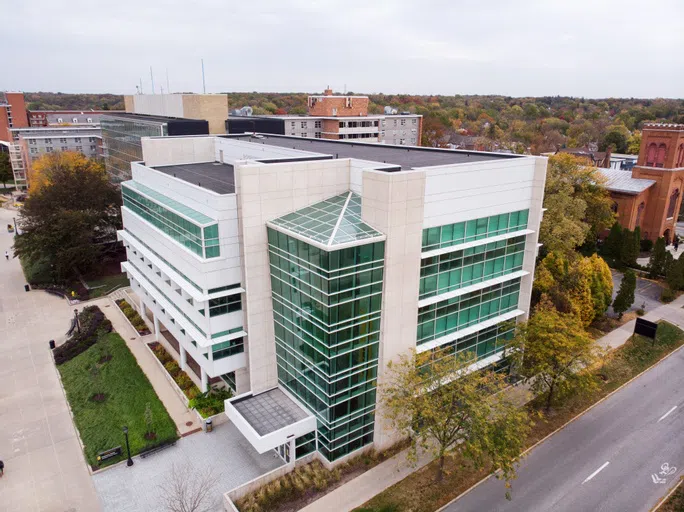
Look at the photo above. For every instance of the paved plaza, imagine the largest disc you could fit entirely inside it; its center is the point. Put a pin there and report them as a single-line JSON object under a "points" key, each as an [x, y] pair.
{"points": [[231, 458], [44, 466]]}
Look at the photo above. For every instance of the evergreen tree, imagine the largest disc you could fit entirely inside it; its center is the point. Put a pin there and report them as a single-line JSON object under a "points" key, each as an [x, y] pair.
{"points": [[625, 296], [675, 275], [613, 243], [637, 241], [629, 250], [656, 266]]}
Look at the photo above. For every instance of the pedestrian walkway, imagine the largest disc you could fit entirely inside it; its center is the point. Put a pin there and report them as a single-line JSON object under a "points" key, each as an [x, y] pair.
{"points": [[225, 451], [44, 465], [364, 487], [185, 419]]}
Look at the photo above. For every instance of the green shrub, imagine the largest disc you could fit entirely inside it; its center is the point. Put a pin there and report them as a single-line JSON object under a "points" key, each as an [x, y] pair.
{"points": [[640, 312], [667, 296], [93, 325], [192, 392], [183, 380], [172, 368], [646, 245]]}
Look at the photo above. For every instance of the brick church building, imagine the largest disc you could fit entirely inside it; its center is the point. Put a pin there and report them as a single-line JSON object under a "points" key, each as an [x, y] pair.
{"points": [[650, 196]]}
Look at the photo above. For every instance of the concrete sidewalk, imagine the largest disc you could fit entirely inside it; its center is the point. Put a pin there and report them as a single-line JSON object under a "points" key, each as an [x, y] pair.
{"points": [[44, 465], [364, 487], [186, 420]]}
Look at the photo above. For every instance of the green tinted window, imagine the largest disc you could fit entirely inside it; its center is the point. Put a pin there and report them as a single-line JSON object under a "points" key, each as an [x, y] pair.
{"points": [[475, 229]]}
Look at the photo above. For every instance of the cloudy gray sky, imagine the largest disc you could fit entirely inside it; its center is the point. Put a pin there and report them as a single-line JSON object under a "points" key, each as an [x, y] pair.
{"points": [[591, 48]]}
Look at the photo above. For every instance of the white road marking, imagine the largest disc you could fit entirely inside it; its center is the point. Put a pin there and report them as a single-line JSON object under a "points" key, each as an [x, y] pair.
{"points": [[595, 473], [666, 414]]}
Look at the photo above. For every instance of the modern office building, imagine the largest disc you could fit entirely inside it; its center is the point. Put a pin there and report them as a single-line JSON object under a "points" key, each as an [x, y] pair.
{"points": [[28, 144], [337, 118], [212, 108], [121, 134], [294, 270], [78, 118], [12, 114]]}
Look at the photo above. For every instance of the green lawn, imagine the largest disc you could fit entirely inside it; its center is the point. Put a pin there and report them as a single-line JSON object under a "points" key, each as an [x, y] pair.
{"points": [[106, 284], [127, 393]]}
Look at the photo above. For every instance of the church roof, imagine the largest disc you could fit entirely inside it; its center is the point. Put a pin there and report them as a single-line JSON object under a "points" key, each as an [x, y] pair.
{"points": [[622, 181]]}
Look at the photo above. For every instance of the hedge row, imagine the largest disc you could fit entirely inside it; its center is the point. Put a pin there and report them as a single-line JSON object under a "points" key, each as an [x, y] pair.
{"points": [[93, 325]]}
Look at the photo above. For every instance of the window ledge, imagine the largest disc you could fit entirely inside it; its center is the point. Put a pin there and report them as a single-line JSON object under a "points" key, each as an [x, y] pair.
{"points": [[472, 288], [475, 243]]}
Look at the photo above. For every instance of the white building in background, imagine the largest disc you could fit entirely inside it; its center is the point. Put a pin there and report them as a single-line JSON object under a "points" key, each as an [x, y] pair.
{"points": [[295, 269]]}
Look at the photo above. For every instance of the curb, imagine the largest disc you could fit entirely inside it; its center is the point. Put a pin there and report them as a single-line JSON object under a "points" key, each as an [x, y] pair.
{"points": [[672, 491], [565, 425]]}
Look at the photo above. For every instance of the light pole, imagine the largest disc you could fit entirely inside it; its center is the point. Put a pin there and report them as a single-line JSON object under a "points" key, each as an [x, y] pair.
{"points": [[78, 324], [128, 447]]}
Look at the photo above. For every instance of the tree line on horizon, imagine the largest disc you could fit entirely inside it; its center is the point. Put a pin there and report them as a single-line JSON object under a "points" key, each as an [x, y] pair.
{"points": [[485, 122]]}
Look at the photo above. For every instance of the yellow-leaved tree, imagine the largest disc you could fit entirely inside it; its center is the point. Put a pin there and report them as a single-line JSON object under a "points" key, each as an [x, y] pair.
{"points": [[44, 169], [446, 409]]}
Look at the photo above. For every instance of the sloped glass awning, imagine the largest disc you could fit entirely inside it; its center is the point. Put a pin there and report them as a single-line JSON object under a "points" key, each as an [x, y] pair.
{"points": [[330, 223]]}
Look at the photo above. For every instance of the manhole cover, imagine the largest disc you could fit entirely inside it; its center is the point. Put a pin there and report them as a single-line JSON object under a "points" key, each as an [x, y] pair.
{"points": [[188, 423]]}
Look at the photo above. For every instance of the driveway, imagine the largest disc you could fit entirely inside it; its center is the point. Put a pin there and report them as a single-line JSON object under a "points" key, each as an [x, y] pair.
{"points": [[231, 458], [44, 465], [647, 292]]}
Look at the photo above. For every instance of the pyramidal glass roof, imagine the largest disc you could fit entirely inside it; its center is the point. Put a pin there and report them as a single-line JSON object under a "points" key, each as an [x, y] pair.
{"points": [[334, 221]]}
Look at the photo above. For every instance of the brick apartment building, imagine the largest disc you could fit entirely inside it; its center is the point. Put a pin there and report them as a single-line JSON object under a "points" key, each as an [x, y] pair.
{"points": [[337, 118], [12, 114]]}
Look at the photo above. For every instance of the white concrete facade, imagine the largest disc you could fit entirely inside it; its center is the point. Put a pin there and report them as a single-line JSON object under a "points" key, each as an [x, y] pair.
{"points": [[399, 205]]}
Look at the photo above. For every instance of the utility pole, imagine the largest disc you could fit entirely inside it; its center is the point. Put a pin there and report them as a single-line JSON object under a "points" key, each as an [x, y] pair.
{"points": [[152, 78], [204, 84], [168, 87], [141, 86]]}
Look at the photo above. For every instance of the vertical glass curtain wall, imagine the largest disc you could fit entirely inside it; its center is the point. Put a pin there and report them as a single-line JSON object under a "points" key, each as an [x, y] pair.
{"points": [[326, 307], [121, 139], [160, 213], [454, 270]]}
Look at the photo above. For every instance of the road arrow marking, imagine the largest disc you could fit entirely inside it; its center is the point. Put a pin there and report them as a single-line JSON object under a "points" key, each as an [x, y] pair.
{"points": [[666, 414], [595, 473]]}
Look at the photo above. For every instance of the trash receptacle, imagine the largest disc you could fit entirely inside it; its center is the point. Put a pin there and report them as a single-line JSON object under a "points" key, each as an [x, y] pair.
{"points": [[209, 425], [26, 288], [52, 344]]}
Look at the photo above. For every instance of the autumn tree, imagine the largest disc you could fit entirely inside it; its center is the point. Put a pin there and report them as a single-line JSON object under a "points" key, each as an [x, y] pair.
{"points": [[434, 132], [625, 295], [634, 143], [582, 286], [578, 206], [616, 137], [6, 173], [446, 410], [550, 350], [70, 217], [675, 275]]}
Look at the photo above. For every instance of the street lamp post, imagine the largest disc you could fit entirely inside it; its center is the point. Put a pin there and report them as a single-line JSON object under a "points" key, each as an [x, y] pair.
{"points": [[78, 324], [128, 448]]}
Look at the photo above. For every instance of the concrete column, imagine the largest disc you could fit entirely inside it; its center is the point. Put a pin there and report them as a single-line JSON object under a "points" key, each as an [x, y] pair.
{"points": [[205, 381], [156, 328], [183, 358], [143, 309]]}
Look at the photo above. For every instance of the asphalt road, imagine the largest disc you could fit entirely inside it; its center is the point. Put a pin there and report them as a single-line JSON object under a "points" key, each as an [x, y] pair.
{"points": [[622, 456]]}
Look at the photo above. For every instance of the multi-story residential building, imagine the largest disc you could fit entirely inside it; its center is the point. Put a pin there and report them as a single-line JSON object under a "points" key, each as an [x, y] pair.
{"points": [[12, 114], [337, 118], [212, 108], [29, 144], [295, 270], [42, 118], [121, 134]]}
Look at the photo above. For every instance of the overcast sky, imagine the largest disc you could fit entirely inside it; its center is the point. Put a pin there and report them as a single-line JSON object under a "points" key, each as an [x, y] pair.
{"points": [[591, 48]]}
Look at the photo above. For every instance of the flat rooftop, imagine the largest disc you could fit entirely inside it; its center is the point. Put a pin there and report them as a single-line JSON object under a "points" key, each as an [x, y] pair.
{"points": [[148, 117], [215, 176], [270, 411], [405, 157]]}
